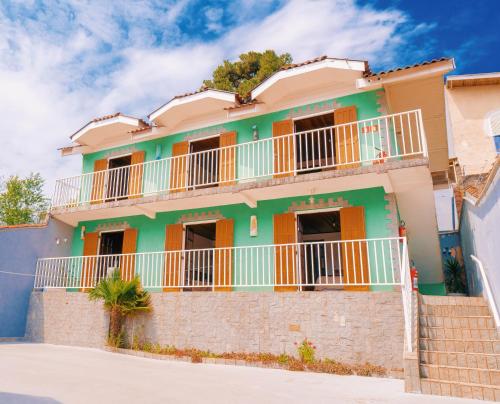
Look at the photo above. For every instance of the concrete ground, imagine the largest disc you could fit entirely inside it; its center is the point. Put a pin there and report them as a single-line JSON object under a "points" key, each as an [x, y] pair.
{"points": [[40, 373]]}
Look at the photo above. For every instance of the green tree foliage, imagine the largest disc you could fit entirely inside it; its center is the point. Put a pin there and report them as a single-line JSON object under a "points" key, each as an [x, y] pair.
{"points": [[22, 199], [121, 298], [247, 72]]}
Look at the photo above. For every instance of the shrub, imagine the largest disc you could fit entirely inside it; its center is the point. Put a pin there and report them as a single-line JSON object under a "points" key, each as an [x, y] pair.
{"points": [[283, 359], [307, 351]]}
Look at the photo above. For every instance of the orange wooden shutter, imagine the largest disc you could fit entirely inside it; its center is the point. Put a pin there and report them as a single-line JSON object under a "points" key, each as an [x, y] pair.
{"points": [[227, 159], [135, 175], [223, 259], [98, 181], [346, 137], [127, 262], [173, 257], [90, 246], [354, 254], [285, 232], [284, 148], [179, 166]]}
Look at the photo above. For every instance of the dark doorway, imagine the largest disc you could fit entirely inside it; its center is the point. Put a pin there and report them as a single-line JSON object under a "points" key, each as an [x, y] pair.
{"points": [[319, 251], [204, 163], [315, 145], [118, 176], [110, 246], [199, 256]]}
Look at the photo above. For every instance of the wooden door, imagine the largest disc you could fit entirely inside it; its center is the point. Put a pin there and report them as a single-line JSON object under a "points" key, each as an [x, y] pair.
{"points": [[127, 262], [346, 138], [135, 175], [354, 254], [227, 159], [90, 246], [283, 149], [98, 181], [173, 257], [285, 263], [223, 257], [179, 166]]}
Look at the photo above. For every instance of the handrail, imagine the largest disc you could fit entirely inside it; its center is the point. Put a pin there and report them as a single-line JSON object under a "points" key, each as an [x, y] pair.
{"points": [[489, 294]]}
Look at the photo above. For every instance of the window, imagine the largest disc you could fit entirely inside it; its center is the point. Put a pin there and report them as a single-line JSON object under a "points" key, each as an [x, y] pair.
{"points": [[494, 129]]}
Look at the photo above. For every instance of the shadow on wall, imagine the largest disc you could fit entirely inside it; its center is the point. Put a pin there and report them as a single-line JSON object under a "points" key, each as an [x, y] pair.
{"points": [[20, 247], [13, 398]]}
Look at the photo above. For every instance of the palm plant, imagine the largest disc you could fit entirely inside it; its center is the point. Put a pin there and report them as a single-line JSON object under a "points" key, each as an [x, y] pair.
{"points": [[455, 276], [121, 298]]}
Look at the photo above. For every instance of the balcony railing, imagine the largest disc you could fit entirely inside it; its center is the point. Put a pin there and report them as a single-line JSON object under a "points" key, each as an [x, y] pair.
{"points": [[364, 142], [367, 264]]}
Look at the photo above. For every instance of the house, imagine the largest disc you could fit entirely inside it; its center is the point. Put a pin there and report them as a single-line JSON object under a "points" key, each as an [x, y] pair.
{"points": [[306, 188]]}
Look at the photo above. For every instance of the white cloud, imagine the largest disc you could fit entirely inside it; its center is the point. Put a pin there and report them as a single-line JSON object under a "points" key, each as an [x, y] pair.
{"points": [[72, 63]]}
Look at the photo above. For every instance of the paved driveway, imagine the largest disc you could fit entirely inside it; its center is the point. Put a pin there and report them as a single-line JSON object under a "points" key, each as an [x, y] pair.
{"points": [[39, 373]]}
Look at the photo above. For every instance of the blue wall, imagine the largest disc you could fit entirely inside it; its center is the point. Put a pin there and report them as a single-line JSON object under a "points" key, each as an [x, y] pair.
{"points": [[19, 249]]}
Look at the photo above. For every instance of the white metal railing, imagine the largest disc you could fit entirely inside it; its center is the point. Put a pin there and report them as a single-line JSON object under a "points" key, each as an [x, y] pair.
{"points": [[368, 141], [487, 288], [407, 295]]}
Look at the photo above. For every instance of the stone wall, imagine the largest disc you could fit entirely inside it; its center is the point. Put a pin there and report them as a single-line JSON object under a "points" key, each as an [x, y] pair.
{"points": [[354, 327]]}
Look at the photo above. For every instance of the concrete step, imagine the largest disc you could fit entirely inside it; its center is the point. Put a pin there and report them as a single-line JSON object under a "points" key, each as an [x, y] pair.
{"points": [[457, 345], [461, 374], [465, 334], [452, 310], [472, 322], [460, 389], [463, 359], [452, 300]]}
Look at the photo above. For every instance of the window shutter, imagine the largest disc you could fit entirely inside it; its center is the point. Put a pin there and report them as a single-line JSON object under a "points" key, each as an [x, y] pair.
{"points": [[179, 166], [127, 262], [135, 175], [90, 250], [227, 156], [284, 149], [346, 137], [223, 259], [173, 257], [354, 254], [98, 181], [285, 264]]}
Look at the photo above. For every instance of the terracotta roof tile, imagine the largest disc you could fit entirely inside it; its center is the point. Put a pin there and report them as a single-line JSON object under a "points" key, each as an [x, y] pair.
{"points": [[140, 130], [396, 69], [106, 117], [320, 59], [243, 104]]}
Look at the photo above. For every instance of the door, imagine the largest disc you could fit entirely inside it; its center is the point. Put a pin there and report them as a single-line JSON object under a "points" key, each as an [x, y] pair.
{"points": [[98, 181], [127, 262], [346, 137], [173, 257], [283, 149], [285, 265], [354, 253], [227, 159], [136, 172], [223, 257], [90, 245], [179, 166]]}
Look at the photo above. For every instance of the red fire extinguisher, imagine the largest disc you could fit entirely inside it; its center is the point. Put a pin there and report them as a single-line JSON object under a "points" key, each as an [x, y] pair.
{"points": [[414, 276], [402, 229]]}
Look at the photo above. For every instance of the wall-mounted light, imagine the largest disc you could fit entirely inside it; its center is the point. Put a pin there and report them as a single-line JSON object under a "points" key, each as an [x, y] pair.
{"points": [[253, 226], [82, 233], [255, 132]]}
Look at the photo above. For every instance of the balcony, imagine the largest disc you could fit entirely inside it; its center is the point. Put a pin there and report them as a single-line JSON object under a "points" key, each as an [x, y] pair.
{"points": [[369, 142]]}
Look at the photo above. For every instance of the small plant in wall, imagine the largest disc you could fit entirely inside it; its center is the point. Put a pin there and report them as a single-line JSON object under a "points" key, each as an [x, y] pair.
{"points": [[121, 298], [307, 351]]}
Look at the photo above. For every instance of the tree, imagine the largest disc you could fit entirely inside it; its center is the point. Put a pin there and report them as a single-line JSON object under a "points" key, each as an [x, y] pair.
{"points": [[246, 73], [22, 199], [121, 298]]}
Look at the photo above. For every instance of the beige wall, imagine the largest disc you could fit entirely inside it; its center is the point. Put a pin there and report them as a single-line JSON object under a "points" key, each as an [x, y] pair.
{"points": [[353, 327], [468, 108]]}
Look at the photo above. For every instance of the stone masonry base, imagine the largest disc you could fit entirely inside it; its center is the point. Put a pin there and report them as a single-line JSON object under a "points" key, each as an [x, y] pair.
{"points": [[352, 327]]}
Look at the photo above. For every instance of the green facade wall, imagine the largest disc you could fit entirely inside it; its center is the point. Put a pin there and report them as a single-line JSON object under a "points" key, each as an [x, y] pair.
{"points": [[151, 232]]}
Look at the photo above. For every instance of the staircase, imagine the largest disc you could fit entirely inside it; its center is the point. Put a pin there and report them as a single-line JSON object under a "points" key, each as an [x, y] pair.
{"points": [[459, 348]]}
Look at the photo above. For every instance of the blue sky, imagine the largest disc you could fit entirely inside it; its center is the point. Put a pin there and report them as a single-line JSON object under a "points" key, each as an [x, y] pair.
{"points": [[64, 62]]}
